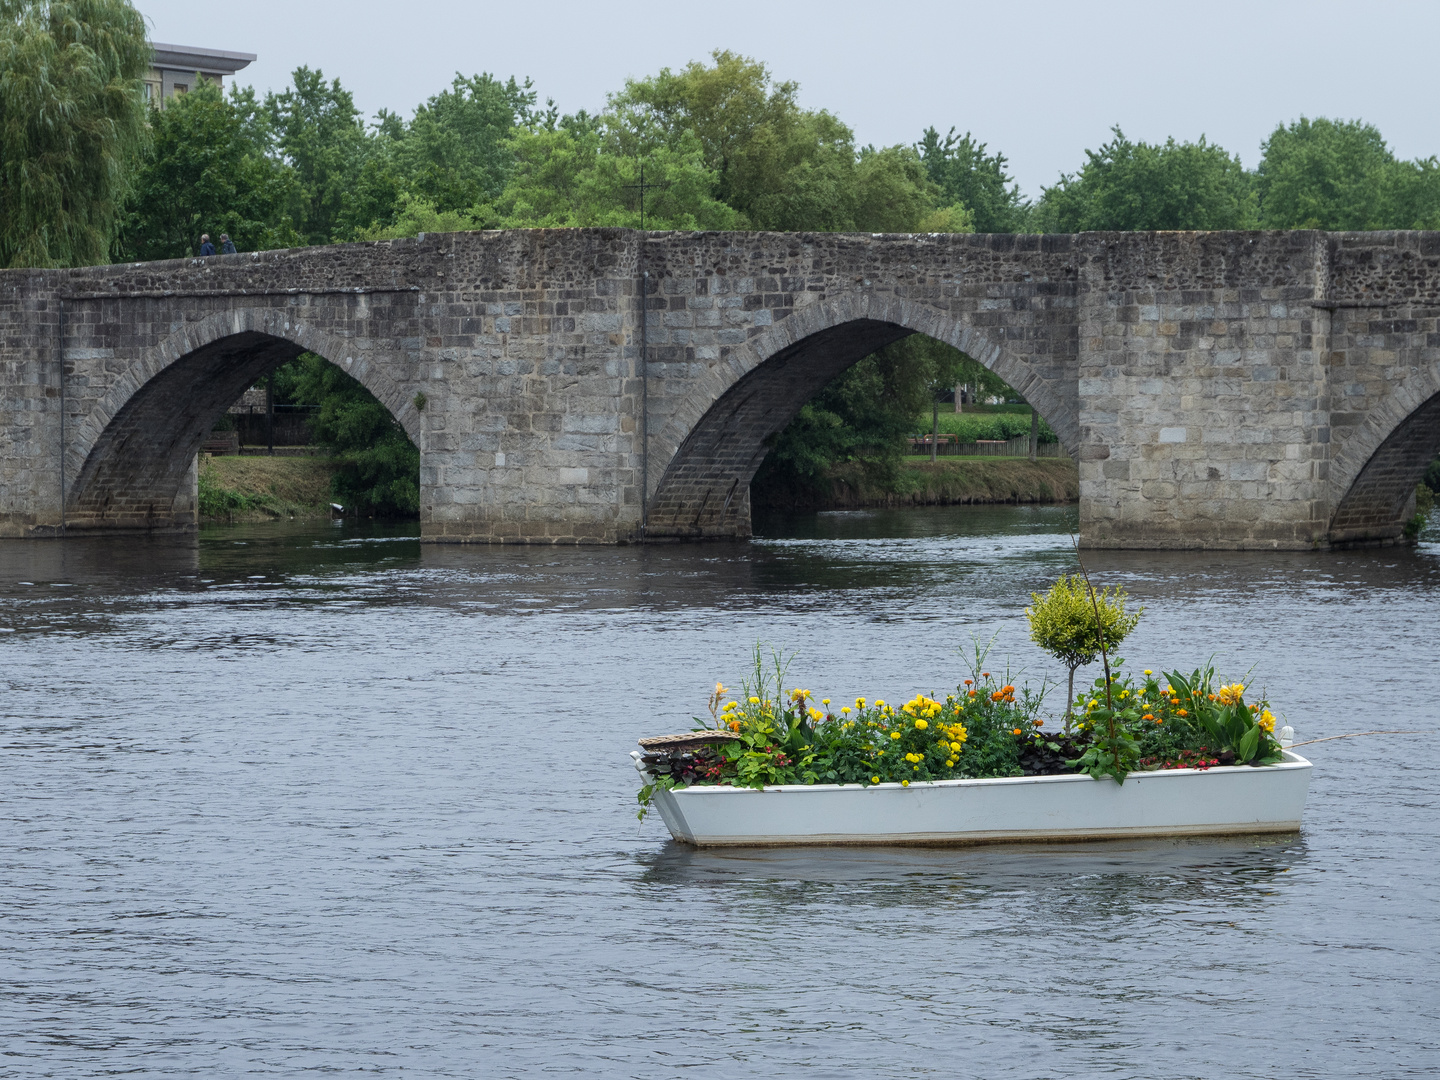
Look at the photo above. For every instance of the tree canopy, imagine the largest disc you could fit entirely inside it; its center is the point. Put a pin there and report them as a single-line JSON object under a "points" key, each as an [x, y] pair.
{"points": [[1339, 175], [210, 168], [72, 126], [1128, 185], [968, 176]]}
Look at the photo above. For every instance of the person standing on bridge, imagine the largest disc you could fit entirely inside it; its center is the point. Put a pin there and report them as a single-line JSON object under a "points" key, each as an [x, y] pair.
{"points": [[227, 246], [206, 247]]}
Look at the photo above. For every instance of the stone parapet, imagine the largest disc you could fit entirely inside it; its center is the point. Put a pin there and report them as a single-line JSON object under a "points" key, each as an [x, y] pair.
{"points": [[1219, 390]]}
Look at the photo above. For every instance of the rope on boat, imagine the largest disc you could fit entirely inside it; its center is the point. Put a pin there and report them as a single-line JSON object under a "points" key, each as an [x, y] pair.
{"points": [[1355, 735]]}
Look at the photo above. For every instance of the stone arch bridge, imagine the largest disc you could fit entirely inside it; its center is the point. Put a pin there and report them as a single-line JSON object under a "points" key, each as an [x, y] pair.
{"points": [[1219, 390]]}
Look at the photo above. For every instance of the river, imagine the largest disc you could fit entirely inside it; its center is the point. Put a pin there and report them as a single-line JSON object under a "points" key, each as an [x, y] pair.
{"points": [[318, 799]]}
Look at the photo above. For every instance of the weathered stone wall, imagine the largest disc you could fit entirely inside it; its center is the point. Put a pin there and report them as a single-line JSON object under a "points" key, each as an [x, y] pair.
{"points": [[1383, 368], [744, 329], [1219, 390], [1202, 390]]}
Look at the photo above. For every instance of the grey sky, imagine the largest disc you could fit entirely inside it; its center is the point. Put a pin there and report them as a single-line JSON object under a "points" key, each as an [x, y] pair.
{"points": [[1040, 81]]}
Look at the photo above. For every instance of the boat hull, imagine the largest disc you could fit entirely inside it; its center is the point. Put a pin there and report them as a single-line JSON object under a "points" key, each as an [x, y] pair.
{"points": [[1170, 802]]}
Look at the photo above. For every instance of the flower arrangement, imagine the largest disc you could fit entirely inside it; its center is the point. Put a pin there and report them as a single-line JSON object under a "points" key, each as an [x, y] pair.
{"points": [[987, 727]]}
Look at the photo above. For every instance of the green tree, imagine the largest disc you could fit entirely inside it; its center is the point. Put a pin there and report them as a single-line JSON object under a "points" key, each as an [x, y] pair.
{"points": [[1415, 194], [1339, 175], [966, 174], [893, 193], [454, 152], [574, 174], [865, 414], [777, 165], [210, 168], [1324, 174], [320, 133], [72, 124], [412, 216], [1063, 622], [1126, 185], [378, 467]]}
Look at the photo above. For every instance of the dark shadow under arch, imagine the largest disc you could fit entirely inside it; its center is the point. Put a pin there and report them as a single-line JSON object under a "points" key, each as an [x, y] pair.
{"points": [[705, 490], [1376, 505], [139, 472]]}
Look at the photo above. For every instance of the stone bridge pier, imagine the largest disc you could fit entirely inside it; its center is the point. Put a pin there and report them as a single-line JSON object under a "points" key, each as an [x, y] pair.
{"points": [[1218, 390]]}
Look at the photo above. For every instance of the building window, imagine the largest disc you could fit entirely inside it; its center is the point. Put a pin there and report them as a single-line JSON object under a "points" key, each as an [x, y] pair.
{"points": [[182, 88]]}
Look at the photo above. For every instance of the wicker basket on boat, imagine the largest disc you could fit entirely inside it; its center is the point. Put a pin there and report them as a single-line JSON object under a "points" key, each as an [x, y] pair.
{"points": [[690, 740]]}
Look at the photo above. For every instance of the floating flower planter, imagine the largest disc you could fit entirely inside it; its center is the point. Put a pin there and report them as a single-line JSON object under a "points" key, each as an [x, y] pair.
{"points": [[1171, 755], [1164, 802]]}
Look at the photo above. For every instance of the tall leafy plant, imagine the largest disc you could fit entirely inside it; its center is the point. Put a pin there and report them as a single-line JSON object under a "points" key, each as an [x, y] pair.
{"points": [[72, 124]]}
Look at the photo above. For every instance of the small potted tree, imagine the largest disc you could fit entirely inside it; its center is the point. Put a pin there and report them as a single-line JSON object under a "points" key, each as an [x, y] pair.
{"points": [[1076, 624]]}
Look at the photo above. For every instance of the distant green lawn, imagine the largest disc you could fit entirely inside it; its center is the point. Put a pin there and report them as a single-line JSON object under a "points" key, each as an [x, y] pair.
{"points": [[972, 426]]}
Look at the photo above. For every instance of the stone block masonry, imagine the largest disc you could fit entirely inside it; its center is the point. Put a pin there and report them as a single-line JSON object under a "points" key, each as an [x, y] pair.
{"points": [[1219, 390]]}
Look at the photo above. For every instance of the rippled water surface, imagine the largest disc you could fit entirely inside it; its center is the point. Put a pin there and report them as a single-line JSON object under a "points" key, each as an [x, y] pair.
{"points": [[320, 800]]}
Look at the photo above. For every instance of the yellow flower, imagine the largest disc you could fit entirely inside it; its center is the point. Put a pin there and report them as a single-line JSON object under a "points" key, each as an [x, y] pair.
{"points": [[950, 764], [754, 701], [859, 703], [845, 709], [921, 725], [957, 746], [1229, 695], [825, 701], [904, 783], [874, 779], [1267, 721], [1149, 672], [894, 734], [1093, 703]]}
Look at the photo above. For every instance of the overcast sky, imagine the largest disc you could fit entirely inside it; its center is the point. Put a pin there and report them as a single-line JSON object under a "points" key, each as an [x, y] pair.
{"points": [[1040, 81]]}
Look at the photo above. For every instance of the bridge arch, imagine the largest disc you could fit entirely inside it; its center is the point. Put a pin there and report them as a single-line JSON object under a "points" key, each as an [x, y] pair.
{"points": [[132, 455], [1373, 475], [712, 442]]}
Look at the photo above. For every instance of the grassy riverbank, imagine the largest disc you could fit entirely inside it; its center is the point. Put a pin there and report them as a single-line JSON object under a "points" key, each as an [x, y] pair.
{"points": [[243, 489], [955, 481]]}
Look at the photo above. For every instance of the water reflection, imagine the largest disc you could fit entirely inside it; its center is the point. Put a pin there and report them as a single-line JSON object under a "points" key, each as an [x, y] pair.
{"points": [[1226, 871], [318, 798]]}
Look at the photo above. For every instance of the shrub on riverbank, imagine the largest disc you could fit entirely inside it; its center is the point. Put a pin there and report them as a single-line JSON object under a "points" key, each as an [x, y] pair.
{"points": [[235, 489]]}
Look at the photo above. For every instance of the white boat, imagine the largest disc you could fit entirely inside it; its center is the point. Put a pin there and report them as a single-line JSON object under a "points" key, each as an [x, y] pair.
{"points": [[1169, 802]]}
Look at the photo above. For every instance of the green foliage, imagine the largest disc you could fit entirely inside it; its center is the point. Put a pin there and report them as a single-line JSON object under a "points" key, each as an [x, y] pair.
{"points": [[1432, 476], [412, 216], [454, 152], [969, 176], [1424, 506], [778, 166], [319, 132], [1325, 174], [986, 728], [218, 501], [893, 194], [377, 466], [1126, 185], [571, 175], [1233, 727], [866, 413], [210, 169], [1073, 622], [972, 426], [72, 125]]}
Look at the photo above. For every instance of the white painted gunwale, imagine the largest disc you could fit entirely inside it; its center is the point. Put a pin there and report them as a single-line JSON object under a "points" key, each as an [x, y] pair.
{"points": [[1224, 799]]}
